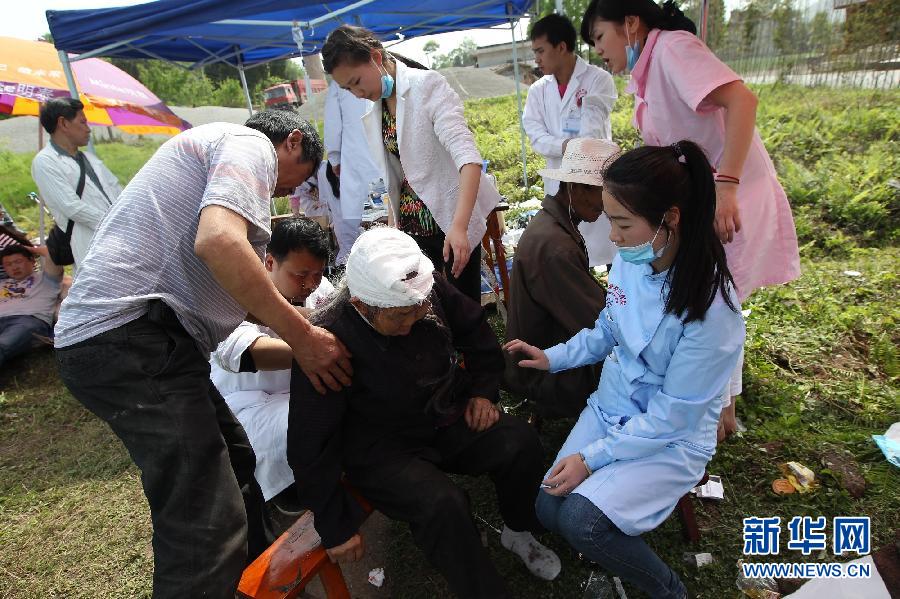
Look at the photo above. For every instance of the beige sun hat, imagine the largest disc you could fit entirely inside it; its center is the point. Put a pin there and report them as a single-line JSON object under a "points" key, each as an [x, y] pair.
{"points": [[583, 162]]}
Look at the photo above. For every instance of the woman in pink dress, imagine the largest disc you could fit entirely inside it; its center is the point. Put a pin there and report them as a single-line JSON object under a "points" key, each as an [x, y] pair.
{"points": [[682, 91]]}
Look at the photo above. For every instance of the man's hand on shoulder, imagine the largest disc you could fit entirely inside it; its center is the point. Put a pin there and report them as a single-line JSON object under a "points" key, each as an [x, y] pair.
{"points": [[324, 359]]}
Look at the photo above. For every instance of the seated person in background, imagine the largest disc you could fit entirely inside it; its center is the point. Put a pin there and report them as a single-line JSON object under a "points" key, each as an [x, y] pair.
{"points": [[672, 331], [554, 294], [10, 235], [411, 415], [28, 299], [251, 368]]}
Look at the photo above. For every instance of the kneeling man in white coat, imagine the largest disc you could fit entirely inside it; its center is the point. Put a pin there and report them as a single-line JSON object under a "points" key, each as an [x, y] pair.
{"points": [[252, 367]]}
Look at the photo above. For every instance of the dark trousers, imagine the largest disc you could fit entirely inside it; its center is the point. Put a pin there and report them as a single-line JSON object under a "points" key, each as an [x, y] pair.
{"points": [[150, 383], [469, 281], [414, 490]]}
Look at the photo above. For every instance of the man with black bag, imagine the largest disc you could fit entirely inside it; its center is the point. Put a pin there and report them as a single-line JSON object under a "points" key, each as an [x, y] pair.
{"points": [[77, 187]]}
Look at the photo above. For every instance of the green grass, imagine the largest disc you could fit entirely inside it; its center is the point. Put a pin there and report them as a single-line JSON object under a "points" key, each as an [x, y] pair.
{"points": [[821, 372]]}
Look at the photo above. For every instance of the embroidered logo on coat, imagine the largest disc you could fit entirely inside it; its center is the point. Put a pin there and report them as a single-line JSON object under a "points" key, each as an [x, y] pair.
{"points": [[615, 295]]}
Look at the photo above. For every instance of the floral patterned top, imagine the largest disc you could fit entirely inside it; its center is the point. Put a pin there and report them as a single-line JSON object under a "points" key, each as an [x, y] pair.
{"points": [[415, 217]]}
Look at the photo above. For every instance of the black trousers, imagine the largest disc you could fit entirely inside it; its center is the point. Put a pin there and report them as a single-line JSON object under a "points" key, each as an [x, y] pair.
{"points": [[148, 380], [415, 490], [469, 281]]}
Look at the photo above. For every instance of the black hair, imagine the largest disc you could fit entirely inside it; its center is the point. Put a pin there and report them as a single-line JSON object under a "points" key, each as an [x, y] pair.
{"points": [[667, 16], [298, 233], [650, 180], [557, 29], [14, 250], [278, 124], [333, 180], [52, 109], [354, 45]]}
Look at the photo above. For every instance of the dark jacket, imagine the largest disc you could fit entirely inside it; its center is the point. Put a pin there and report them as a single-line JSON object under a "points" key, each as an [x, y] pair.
{"points": [[388, 408], [554, 295]]}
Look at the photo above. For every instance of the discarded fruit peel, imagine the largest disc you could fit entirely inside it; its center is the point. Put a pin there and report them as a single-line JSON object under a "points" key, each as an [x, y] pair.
{"points": [[799, 476]]}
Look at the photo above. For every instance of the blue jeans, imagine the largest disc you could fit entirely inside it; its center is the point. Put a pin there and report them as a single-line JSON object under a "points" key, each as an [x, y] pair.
{"points": [[16, 334], [594, 535]]}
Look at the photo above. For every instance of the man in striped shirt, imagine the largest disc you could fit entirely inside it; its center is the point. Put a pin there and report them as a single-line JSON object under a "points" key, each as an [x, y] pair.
{"points": [[173, 269]]}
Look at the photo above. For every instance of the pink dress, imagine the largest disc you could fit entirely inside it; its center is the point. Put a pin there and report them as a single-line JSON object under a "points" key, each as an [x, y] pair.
{"points": [[670, 82]]}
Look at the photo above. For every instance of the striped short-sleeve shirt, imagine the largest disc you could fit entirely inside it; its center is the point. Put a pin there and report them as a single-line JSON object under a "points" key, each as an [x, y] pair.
{"points": [[144, 248]]}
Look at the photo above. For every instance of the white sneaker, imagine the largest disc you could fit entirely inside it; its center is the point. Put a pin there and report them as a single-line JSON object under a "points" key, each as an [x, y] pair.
{"points": [[540, 560]]}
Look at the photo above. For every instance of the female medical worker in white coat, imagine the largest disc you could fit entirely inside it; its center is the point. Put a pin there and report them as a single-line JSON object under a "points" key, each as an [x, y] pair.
{"points": [[351, 161], [556, 112], [672, 332], [419, 138]]}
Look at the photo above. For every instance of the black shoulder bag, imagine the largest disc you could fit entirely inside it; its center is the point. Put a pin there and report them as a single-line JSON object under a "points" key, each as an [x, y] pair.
{"points": [[59, 242]]}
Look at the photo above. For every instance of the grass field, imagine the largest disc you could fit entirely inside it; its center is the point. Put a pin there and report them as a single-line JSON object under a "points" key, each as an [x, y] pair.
{"points": [[821, 374]]}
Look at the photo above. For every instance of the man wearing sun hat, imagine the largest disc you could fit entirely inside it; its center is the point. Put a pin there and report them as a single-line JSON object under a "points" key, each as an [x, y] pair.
{"points": [[553, 292]]}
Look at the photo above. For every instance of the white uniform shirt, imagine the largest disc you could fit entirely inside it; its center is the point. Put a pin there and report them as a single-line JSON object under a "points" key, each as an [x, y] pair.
{"points": [[56, 175], [583, 111], [259, 400], [345, 140]]}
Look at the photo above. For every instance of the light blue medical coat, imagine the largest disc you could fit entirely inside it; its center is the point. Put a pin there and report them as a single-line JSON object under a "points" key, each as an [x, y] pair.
{"points": [[649, 429]]}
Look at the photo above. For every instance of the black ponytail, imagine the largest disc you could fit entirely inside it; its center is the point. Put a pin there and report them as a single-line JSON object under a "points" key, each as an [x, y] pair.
{"points": [[667, 16], [650, 180], [349, 44]]}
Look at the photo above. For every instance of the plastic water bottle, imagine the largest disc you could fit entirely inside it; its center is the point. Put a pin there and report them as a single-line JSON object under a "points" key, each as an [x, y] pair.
{"points": [[598, 586], [380, 195]]}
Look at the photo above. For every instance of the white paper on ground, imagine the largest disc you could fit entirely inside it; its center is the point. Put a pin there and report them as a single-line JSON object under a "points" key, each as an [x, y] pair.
{"points": [[713, 489], [376, 577], [845, 588]]}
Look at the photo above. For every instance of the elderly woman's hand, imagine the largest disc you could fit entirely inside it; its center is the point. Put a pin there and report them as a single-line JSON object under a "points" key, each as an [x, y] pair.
{"points": [[481, 414]]}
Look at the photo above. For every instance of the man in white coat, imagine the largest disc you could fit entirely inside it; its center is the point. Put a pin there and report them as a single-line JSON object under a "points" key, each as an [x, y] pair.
{"points": [[573, 99], [252, 367], [350, 159], [57, 168]]}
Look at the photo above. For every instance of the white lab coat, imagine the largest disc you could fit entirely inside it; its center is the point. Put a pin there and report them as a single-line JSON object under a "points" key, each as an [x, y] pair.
{"points": [[545, 119], [435, 143], [347, 147], [259, 400]]}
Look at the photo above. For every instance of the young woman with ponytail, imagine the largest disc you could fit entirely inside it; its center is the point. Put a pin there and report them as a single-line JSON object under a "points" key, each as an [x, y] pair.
{"points": [[682, 91], [672, 333]]}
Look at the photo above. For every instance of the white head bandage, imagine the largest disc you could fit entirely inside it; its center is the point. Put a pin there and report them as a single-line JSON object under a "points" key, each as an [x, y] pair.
{"points": [[386, 269]]}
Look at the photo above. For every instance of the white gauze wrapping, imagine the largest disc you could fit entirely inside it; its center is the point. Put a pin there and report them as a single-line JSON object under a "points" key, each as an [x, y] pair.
{"points": [[386, 269]]}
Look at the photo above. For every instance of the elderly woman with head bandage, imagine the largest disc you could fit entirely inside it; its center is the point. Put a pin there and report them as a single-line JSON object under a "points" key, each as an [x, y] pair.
{"points": [[413, 414]]}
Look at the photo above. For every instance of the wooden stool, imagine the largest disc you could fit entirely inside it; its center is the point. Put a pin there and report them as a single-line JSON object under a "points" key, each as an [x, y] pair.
{"points": [[494, 235], [292, 561], [686, 513]]}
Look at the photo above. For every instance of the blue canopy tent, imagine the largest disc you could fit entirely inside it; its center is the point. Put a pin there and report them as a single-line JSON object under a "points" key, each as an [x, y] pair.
{"points": [[247, 33]]}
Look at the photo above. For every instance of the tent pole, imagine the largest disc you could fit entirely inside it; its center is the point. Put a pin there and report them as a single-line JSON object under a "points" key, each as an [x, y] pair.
{"points": [[704, 16], [515, 55], [244, 84], [73, 89], [307, 83], [559, 8]]}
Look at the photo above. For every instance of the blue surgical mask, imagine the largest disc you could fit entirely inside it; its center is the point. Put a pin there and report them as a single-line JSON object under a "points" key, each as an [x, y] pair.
{"points": [[387, 83], [643, 253], [632, 51]]}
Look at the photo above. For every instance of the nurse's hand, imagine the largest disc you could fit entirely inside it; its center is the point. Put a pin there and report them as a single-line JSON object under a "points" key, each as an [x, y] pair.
{"points": [[537, 357], [457, 242], [566, 475], [728, 218]]}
